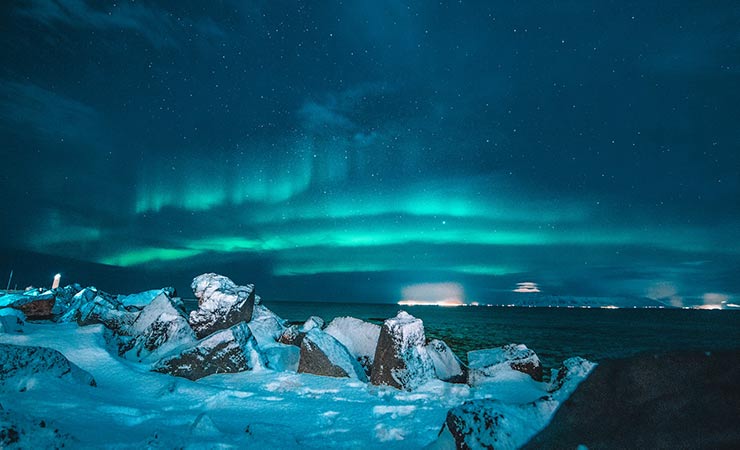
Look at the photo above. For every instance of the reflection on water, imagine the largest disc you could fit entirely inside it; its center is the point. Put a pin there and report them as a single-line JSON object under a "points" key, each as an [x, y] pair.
{"points": [[553, 333]]}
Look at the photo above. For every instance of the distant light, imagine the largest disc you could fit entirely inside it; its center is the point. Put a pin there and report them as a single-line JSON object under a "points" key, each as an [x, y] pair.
{"points": [[433, 294], [55, 283], [527, 287]]}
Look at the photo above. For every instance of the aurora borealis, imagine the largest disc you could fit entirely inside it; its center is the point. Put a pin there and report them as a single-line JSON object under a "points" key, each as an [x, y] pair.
{"points": [[346, 150]]}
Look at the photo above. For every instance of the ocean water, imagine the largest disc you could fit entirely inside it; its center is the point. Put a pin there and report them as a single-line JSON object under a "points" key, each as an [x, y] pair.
{"points": [[554, 334]]}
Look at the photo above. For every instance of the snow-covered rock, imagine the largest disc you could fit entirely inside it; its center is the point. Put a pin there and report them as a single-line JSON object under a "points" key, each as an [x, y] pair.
{"points": [[360, 338], [161, 327], [266, 326], [84, 302], [321, 354], [226, 351], [34, 304], [292, 336], [493, 424], [137, 302], [11, 320], [401, 359], [282, 357], [447, 366], [510, 423], [64, 296], [486, 365], [22, 366], [221, 303], [311, 323], [565, 379]]}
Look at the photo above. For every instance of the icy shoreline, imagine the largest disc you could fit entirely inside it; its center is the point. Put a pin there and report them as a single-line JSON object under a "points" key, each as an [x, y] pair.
{"points": [[266, 402]]}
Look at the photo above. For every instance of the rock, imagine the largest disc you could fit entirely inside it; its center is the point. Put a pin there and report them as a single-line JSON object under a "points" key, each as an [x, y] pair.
{"points": [[160, 328], [674, 400], [221, 304], [225, 351], [321, 354], [11, 320], [564, 379], [311, 323], [35, 305], [360, 338], [509, 424], [492, 424], [447, 366], [64, 296], [266, 326], [137, 302], [485, 364], [401, 359], [84, 302], [19, 365], [292, 336], [281, 357]]}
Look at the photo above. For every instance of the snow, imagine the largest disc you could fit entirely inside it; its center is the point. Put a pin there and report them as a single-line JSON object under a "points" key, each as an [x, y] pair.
{"points": [[360, 337], [270, 406]]}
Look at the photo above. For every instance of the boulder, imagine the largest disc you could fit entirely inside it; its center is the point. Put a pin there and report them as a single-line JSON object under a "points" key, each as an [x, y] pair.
{"points": [[360, 338], [292, 336], [447, 366], [510, 423], [84, 302], [64, 296], [35, 305], [311, 323], [160, 328], [266, 326], [401, 359], [226, 351], [321, 354], [137, 302], [11, 320], [19, 365], [674, 400], [486, 364], [281, 357], [493, 424], [221, 304]]}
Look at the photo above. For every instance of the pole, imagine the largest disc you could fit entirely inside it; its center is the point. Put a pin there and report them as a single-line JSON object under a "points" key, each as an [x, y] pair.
{"points": [[10, 279]]}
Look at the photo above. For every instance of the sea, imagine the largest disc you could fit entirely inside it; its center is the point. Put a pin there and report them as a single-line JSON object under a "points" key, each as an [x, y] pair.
{"points": [[555, 334]]}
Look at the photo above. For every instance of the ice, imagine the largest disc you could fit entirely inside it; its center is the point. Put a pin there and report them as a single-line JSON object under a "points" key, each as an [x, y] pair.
{"points": [[360, 337]]}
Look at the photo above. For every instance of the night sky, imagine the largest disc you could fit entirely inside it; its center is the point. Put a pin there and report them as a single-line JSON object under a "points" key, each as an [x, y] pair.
{"points": [[349, 150]]}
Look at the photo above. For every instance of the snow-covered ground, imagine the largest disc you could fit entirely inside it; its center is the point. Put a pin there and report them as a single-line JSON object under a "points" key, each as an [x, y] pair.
{"points": [[133, 407]]}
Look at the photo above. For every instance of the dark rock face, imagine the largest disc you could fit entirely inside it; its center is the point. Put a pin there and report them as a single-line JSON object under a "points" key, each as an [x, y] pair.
{"points": [[321, 354], [221, 304], [401, 359], [675, 400], [226, 351], [36, 307], [18, 363]]}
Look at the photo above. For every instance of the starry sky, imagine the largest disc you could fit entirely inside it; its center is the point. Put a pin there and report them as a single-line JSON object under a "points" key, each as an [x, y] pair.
{"points": [[345, 151]]}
